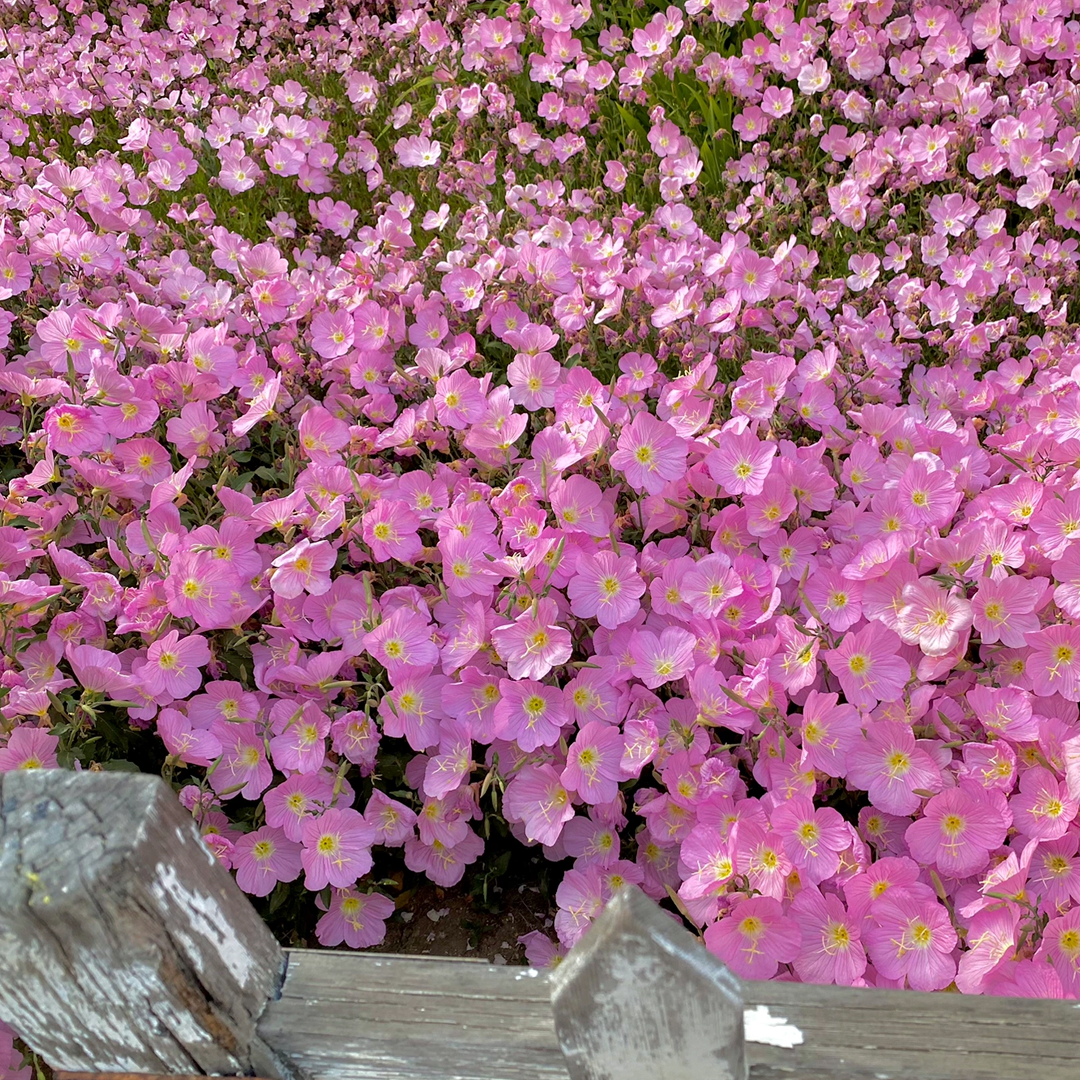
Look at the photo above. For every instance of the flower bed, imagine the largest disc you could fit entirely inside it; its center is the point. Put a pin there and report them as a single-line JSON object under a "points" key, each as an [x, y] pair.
{"points": [[647, 434]]}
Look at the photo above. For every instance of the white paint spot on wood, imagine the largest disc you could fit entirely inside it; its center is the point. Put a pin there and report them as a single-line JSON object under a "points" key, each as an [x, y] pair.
{"points": [[762, 1027], [208, 920]]}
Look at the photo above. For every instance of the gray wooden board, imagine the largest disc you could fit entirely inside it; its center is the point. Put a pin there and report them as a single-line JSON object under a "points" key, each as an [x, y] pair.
{"points": [[124, 944], [364, 1016], [638, 998]]}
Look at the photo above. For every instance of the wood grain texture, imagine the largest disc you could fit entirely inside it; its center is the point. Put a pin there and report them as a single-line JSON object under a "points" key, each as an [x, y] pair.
{"points": [[384, 1017], [368, 1016], [124, 944], [639, 999]]}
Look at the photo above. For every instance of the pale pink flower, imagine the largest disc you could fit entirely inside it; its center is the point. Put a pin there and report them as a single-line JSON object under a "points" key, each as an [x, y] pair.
{"points": [[890, 767], [755, 938], [354, 918], [304, 568], [1004, 609], [867, 666], [593, 763], [932, 617], [263, 858], [534, 643], [958, 830], [337, 849], [650, 454], [830, 731], [912, 939], [529, 713], [1042, 808], [538, 799], [607, 586], [831, 950], [663, 659], [1053, 661], [741, 463]]}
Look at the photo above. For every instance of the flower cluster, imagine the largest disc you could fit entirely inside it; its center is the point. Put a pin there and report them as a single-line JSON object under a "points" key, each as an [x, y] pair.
{"points": [[651, 435]]}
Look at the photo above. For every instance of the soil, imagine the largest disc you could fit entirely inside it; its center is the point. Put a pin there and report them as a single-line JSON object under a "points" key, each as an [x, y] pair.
{"points": [[450, 922]]}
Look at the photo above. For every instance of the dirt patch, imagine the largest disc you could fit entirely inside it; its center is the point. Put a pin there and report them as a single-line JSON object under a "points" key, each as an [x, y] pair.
{"points": [[449, 922]]}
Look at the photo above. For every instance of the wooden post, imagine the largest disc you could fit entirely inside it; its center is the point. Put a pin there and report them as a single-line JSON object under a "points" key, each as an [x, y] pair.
{"points": [[639, 999], [124, 944]]}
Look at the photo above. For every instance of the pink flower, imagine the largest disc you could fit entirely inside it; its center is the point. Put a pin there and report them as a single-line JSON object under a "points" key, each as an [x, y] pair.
{"points": [[864, 271], [752, 275], [1042, 809], [580, 897], [530, 713], [755, 938], [932, 617], [417, 151], [355, 919], [194, 432], [290, 804], [958, 830], [578, 504], [534, 643], [593, 763], [710, 585], [1061, 945], [867, 666], [305, 567], [663, 659], [650, 454], [243, 768], [74, 429], [188, 744], [171, 670], [812, 838], [391, 530], [445, 866], [1005, 712], [1003, 609], [991, 939], [449, 769], [322, 435], [337, 849], [413, 708], [912, 939], [300, 729], [402, 641], [890, 767], [533, 380], [332, 333], [263, 858], [393, 822], [1054, 871], [829, 733], [29, 748], [927, 496], [607, 586], [1053, 661], [467, 564], [537, 798], [202, 588], [831, 949], [459, 400], [464, 288]]}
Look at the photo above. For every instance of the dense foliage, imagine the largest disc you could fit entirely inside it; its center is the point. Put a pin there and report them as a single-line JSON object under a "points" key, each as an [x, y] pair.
{"points": [[646, 434]]}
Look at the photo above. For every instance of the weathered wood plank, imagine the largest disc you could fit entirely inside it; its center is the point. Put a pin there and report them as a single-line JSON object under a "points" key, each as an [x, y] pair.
{"points": [[366, 1016], [124, 945], [384, 1017], [639, 999]]}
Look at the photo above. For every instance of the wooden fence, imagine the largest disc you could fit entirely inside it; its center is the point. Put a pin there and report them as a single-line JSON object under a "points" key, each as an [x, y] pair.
{"points": [[125, 947]]}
